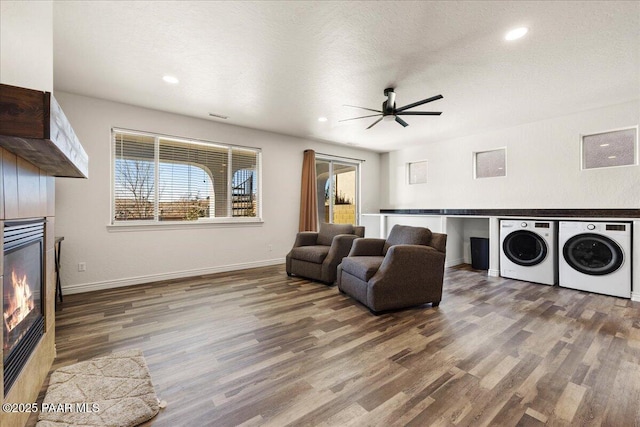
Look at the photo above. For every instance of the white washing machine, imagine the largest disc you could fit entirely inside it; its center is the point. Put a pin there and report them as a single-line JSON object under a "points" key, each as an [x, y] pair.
{"points": [[529, 250], [596, 257]]}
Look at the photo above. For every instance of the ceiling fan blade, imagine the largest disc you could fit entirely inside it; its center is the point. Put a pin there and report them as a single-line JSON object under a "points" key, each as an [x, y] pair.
{"points": [[375, 123], [363, 108], [415, 104], [419, 113], [356, 118], [402, 122]]}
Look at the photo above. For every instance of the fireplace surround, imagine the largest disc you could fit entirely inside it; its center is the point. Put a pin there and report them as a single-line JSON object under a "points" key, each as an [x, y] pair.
{"points": [[26, 201], [22, 294], [37, 143]]}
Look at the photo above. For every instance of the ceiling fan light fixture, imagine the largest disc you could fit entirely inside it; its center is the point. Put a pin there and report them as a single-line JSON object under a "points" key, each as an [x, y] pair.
{"points": [[516, 33], [389, 112]]}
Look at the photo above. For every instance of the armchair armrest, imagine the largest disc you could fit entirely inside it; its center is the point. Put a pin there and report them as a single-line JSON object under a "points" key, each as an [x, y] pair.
{"points": [[340, 247], [306, 238], [411, 261], [367, 247], [439, 241], [409, 274]]}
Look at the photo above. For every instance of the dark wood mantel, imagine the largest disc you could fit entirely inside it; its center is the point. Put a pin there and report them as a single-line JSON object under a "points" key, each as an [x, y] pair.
{"points": [[34, 127]]}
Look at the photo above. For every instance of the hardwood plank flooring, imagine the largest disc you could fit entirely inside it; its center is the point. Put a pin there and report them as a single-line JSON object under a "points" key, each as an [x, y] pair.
{"points": [[256, 347]]}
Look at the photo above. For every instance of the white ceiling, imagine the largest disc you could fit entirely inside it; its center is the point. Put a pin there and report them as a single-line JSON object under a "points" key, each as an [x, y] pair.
{"points": [[278, 66]]}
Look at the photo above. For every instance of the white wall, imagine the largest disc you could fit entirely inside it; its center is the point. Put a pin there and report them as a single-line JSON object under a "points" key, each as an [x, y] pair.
{"points": [[26, 44], [543, 168], [125, 257]]}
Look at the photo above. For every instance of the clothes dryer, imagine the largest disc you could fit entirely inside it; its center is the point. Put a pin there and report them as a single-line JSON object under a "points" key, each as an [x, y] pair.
{"points": [[596, 257], [529, 250]]}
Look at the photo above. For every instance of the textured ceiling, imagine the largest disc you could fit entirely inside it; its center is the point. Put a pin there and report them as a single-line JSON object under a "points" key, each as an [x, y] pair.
{"points": [[278, 66]]}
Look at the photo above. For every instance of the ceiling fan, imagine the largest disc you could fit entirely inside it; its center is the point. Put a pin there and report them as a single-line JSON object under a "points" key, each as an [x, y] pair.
{"points": [[390, 112]]}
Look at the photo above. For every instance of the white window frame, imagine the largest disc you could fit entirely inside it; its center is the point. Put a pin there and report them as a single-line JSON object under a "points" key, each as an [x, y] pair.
{"points": [[635, 149], [155, 224], [344, 161], [426, 172], [475, 163]]}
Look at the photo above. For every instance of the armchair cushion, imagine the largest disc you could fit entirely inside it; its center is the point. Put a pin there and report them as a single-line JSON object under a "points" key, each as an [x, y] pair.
{"points": [[315, 254], [367, 247], [329, 231], [362, 267], [306, 238], [407, 235]]}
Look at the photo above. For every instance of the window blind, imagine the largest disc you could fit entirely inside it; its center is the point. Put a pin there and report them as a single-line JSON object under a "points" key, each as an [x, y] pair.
{"points": [[159, 178], [134, 186]]}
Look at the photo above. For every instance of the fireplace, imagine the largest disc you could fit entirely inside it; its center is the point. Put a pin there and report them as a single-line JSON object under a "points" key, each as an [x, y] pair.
{"points": [[22, 294]]}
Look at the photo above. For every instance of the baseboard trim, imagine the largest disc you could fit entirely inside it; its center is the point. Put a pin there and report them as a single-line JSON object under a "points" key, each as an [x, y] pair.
{"points": [[493, 272], [128, 281], [454, 262], [635, 296]]}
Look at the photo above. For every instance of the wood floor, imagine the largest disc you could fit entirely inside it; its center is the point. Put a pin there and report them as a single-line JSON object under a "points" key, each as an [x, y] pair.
{"points": [[256, 347]]}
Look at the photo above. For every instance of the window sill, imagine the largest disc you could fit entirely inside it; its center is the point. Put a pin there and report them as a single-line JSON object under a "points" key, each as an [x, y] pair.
{"points": [[181, 225]]}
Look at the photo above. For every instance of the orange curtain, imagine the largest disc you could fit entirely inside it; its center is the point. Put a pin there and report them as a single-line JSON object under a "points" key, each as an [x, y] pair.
{"points": [[309, 193]]}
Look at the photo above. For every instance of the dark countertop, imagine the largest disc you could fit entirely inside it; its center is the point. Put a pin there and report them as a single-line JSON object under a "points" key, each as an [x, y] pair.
{"points": [[551, 213]]}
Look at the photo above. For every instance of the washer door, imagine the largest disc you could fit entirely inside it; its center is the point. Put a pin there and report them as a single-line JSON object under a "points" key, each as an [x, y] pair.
{"points": [[593, 254], [524, 248]]}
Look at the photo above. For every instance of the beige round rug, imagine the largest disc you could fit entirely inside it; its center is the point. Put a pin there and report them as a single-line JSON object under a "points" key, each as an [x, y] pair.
{"points": [[113, 390]]}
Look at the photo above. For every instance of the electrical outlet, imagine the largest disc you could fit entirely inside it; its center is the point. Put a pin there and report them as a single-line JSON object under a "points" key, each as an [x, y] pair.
{"points": [[82, 266], [269, 248]]}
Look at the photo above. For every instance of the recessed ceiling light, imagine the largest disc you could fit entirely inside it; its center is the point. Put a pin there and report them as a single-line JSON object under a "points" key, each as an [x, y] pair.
{"points": [[322, 119], [516, 33], [604, 145], [612, 157], [170, 79]]}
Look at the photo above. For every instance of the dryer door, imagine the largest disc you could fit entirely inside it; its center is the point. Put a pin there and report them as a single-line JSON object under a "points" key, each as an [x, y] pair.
{"points": [[593, 254], [524, 248]]}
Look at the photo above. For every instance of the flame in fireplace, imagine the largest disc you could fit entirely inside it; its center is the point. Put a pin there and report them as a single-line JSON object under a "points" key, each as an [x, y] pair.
{"points": [[18, 302]]}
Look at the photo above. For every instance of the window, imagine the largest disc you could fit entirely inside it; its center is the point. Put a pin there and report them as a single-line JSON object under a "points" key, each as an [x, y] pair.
{"points": [[338, 191], [158, 178], [490, 164], [417, 172], [610, 149]]}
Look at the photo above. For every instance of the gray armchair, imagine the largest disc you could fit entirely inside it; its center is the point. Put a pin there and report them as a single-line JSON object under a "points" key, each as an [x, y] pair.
{"points": [[406, 269], [316, 255]]}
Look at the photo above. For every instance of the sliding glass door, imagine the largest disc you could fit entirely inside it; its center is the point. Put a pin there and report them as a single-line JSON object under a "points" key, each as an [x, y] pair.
{"points": [[338, 192]]}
